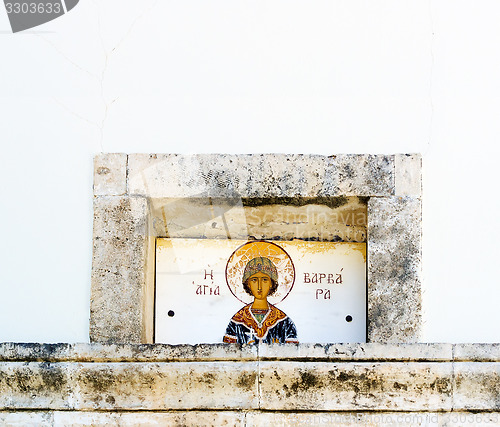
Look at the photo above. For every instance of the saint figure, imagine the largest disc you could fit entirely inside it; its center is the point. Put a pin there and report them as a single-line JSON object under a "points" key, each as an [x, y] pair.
{"points": [[259, 321]]}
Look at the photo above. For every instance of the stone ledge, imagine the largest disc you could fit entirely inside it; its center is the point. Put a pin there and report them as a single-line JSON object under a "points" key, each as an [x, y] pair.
{"points": [[83, 352], [476, 352], [419, 377], [245, 418]]}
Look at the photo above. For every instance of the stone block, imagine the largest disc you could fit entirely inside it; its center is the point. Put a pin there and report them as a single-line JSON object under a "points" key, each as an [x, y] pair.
{"points": [[357, 352], [162, 353], [119, 270], [34, 385], [110, 174], [408, 174], [394, 269], [344, 419], [355, 386], [477, 386], [27, 419], [162, 386], [147, 419], [96, 352], [359, 175], [98, 384], [469, 419], [259, 175], [372, 419], [476, 352], [250, 419]]}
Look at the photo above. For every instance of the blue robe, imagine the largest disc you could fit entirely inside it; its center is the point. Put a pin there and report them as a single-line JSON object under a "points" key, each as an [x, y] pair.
{"points": [[276, 327]]}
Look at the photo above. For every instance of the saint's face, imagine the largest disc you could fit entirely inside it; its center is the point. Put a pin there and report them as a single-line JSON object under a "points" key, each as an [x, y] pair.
{"points": [[260, 285]]}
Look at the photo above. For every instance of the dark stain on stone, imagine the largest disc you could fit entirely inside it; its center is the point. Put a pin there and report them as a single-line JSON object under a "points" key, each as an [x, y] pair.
{"points": [[332, 202], [53, 377], [287, 391], [363, 383], [20, 380], [343, 377], [306, 382], [441, 385], [363, 200], [347, 172], [35, 379], [208, 378], [99, 381], [399, 386], [110, 399], [247, 381]]}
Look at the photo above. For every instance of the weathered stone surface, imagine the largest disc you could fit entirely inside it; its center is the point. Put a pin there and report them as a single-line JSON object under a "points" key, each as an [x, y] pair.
{"points": [[260, 175], [357, 352], [408, 174], [372, 419], [353, 377], [477, 386], [110, 174], [335, 219], [248, 419], [350, 386], [120, 280], [155, 386], [394, 269], [133, 386], [34, 385], [95, 352], [469, 419], [360, 175], [29, 419], [130, 419], [476, 352]]}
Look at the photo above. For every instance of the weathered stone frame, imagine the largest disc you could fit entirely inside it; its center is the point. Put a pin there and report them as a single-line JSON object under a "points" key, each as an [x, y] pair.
{"points": [[126, 188]]}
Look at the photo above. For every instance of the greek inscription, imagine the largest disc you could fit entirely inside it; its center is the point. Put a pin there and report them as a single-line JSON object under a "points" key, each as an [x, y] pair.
{"points": [[338, 280], [323, 294], [324, 278], [207, 290]]}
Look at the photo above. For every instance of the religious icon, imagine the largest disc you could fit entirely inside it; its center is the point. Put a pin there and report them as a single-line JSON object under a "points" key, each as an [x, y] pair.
{"points": [[257, 273]]}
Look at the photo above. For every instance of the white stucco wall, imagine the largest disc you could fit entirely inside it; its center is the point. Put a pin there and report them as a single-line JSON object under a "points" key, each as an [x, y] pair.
{"points": [[243, 77]]}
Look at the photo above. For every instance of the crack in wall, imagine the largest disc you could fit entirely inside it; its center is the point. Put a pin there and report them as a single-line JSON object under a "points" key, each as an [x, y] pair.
{"points": [[107, 56]]}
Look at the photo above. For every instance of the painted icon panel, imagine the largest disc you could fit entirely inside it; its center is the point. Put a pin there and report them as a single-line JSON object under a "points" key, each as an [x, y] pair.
{"points": [[210, 291]]}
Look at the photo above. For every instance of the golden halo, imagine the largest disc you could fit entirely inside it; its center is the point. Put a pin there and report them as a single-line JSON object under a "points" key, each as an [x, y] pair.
{"points": [[260, 248]]}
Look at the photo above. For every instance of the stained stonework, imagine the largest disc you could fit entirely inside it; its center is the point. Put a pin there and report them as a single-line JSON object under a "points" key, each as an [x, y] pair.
{"points": [[262, 196], [82, 384], [120, 288], [394, 269], [330, 219], [260, 175]]}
